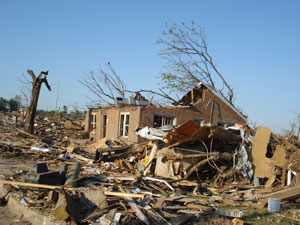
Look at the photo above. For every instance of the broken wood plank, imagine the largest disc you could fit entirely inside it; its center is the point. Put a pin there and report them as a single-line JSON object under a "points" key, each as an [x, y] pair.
{"points": [[174, 207], [253, 205], [181, 199], [151, 157], [168, 214], [285, 194], [52, 187], [28, 134], [157, 188], [124, 195], [135, 207], [189, 211], [30, 184], [159, 202], [155, 215], [203, 208]]}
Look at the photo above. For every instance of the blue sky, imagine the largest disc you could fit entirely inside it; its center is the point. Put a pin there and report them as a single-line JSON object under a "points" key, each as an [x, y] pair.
{"points": [[256, 45]]}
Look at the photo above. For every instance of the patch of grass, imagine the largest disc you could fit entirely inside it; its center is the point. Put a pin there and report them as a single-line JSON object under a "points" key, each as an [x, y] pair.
{"points": [[262, 217]]}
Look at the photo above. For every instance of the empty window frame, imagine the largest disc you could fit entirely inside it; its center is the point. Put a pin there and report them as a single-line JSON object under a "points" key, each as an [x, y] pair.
{"points": [[124, 124], [162, 120], [93, 121]]}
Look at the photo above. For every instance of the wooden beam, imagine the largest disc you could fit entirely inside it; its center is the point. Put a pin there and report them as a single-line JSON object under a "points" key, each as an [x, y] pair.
{"points": [[285, 194], [52, 187]]}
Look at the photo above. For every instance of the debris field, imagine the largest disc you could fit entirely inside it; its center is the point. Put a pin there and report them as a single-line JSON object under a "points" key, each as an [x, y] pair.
{"points": [[190, 174]]}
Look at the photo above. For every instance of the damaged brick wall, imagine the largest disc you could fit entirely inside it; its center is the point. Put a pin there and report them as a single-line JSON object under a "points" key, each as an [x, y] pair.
{"points": [[221, 110], [141, 116], [181, 113], [201, 110]]}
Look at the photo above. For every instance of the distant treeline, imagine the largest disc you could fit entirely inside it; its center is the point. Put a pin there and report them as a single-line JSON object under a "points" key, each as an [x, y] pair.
{"points": [[10, 105]]}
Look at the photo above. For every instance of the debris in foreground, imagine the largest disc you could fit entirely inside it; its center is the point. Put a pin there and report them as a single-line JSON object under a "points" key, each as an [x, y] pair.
{"points": [[180, 176]]}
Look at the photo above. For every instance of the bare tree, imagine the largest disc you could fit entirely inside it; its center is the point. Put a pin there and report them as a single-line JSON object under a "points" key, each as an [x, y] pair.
{"points": [[298, 123], [25, 88], [295, 125], [186, 51], [107, 85], [35, 93]]}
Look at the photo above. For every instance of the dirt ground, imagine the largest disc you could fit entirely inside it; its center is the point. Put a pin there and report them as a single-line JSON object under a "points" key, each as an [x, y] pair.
{"points": [[8, 218]]}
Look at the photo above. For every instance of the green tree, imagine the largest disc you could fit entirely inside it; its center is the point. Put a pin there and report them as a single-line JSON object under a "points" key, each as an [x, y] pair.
{"points": [[3, 104], [65, 110], [189, 62], [13, 104]]}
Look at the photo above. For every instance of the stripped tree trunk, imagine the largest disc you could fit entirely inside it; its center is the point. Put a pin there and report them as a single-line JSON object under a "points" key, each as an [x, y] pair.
{"points": [[35, 92]]}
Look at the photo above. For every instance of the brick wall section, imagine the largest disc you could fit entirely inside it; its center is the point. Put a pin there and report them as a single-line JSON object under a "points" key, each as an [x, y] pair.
{"points": [[182, 114], [221, 110], [141, 116], [202, 110]]}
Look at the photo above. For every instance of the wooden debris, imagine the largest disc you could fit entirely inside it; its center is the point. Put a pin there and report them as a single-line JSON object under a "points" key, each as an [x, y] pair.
{"points": [[134, 207], [119, 194], [285, 194]]}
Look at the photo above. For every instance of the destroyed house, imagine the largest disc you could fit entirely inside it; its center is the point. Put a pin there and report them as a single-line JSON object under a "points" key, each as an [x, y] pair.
{"points": [[203, 104]]}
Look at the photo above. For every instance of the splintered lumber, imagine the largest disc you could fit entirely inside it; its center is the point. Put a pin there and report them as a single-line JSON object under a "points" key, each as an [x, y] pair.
{"points": [[135, 208], [151, 157], [253, 205], [203, 208], [188, 211], [155, 215], [52, 187], [28, 134], [157, 188], [124, 195], [285, 194], [159, 202], [29, 184]]}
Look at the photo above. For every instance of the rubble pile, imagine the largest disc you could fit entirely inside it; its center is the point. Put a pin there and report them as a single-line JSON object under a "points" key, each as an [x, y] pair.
{"points": [[187, 174]]}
